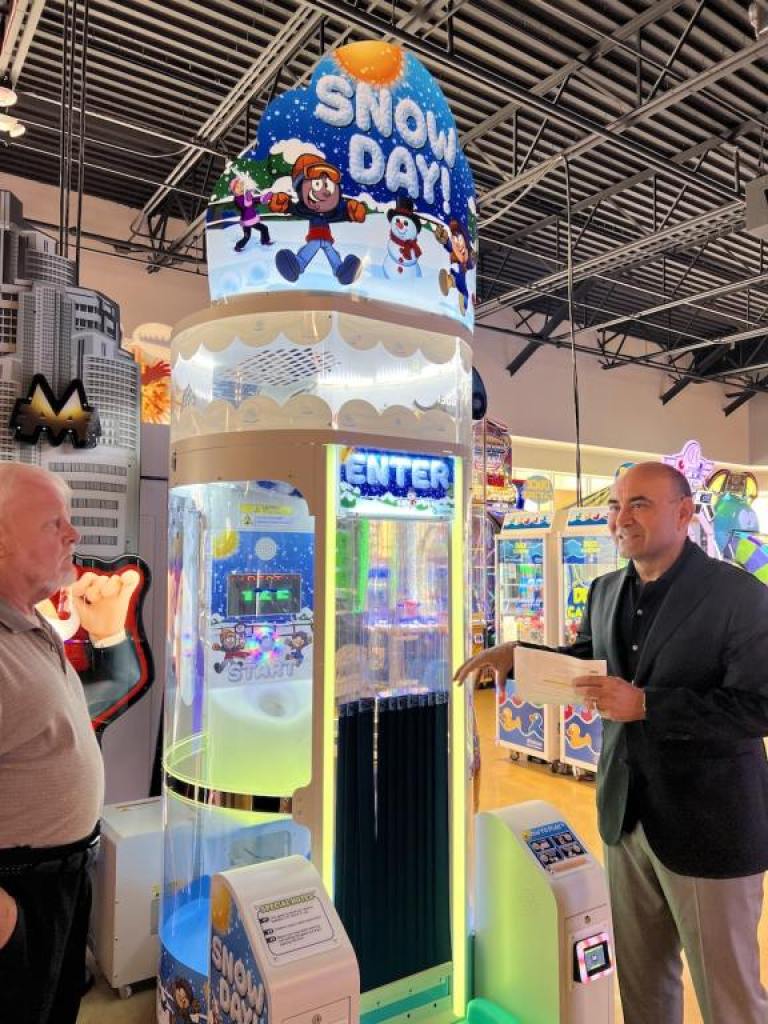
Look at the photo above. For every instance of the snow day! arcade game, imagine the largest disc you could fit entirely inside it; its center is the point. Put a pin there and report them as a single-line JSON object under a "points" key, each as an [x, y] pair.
{"points": [[320, 434], [356, 180]]}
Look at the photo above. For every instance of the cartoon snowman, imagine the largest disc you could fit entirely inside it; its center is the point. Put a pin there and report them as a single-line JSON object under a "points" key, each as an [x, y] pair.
{"points": [[403, 250]]}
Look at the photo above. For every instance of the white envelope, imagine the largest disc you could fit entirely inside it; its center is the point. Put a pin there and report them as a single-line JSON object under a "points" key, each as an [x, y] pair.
{"points": [[545, 677]]}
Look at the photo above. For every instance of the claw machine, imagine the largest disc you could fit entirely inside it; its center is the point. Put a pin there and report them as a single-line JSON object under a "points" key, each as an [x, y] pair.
{"points": [[585, 550], [525, 611]]}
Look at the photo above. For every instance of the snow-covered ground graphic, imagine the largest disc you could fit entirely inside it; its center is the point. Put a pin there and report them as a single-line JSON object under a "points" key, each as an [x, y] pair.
{"points": [[253, 269]]}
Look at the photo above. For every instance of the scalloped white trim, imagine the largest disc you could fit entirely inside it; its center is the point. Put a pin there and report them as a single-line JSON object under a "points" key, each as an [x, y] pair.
{"points": [[308, 327], [311, 412]]}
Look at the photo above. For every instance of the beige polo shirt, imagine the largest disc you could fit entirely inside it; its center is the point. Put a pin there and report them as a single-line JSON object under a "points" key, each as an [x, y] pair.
{"points": [[51, 771]]}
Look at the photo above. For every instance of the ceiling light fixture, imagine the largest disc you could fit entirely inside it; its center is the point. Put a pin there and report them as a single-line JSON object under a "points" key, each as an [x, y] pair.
{"points": [[8, 94], [17, 131], [7, 122]]}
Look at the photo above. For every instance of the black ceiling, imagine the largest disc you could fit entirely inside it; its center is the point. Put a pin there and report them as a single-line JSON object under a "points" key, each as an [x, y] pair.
{"points": [[648, 116]]}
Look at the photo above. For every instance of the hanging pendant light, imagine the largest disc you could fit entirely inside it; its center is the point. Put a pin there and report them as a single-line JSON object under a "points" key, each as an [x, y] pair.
{"points": [[7, 93], [7, 122], [17, 131]]}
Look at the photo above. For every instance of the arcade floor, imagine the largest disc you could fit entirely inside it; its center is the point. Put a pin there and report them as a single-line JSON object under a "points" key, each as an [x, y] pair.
{"points": [[502, 783]]}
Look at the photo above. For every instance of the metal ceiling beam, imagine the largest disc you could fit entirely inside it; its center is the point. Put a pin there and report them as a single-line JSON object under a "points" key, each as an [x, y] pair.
{"points": [[709, 360], [487, 78], [598, 135], [729, 377], [687, 300], [291, 37], [685, 234], [742, 399], [608, 43], [692, 153], [532, 347], [727, 340], [119, 122], [19, 33]]}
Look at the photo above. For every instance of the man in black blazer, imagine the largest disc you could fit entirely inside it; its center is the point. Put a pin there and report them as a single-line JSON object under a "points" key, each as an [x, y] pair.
{"points": [[682, 788]]}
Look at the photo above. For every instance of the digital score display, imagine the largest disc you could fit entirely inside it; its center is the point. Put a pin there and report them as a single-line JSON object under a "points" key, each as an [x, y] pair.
{"points": [[263, 595]]}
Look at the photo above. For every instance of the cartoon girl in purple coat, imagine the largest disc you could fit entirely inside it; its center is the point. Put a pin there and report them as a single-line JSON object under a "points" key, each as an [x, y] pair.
{"points": [[248, 203]]}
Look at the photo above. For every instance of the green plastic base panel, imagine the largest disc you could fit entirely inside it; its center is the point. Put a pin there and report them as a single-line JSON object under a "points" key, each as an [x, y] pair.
{"points": [[482, 1011]]}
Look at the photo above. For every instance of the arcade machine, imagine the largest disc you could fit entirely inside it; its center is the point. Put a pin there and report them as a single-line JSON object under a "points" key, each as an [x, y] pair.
{"points": [[732, 512], [526, 611], [585, 550], [559, 968], [698, 471], [319, 451], [493, 495]]}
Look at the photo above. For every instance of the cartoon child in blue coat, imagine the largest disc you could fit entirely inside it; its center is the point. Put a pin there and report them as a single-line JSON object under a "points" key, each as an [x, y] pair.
{"points": [[455, 240], [317, 185]]}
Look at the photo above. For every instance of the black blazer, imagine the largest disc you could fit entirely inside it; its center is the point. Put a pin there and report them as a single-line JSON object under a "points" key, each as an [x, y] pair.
{"points": [[700, 751]]}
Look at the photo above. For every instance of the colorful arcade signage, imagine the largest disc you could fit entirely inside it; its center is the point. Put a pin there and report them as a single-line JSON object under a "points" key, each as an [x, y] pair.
{"points": [[42, 414], [356, 184], [395, 484]]}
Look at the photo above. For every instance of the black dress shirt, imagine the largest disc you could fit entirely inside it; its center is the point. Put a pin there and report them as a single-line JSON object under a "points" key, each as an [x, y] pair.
{"points": [[639, 604]]}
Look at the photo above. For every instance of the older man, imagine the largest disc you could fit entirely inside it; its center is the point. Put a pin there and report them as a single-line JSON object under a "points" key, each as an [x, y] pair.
{"points": [[51, 773], [682, 781]]}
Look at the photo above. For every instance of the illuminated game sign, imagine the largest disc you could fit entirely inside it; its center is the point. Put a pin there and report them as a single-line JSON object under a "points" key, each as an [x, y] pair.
{"points": [[356, 184], [69, 418], [395, 484]]}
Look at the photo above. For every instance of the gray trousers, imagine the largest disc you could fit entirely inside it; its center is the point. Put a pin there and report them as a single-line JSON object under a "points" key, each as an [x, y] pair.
{"points": [[656, 913]]}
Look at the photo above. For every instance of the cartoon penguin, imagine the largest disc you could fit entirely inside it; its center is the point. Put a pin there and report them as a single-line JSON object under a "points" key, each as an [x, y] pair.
{"points": [[403, 251]]}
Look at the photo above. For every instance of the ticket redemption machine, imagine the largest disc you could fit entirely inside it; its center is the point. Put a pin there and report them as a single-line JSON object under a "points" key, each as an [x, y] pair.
{"points": [[559, 968], [526, 610], [585, 551], [319, 443]]}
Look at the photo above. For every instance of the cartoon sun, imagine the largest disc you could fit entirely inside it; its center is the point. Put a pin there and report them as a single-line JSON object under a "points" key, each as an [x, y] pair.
{"points": [[225, 543], [379, 64]]}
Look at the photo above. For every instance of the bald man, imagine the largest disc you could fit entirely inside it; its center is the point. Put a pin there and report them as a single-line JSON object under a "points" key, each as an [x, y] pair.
{"points": [[682, 782], [51, 772]]}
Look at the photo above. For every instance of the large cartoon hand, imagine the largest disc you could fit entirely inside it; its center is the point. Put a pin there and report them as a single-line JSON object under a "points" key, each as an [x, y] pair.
{"points": [[279, 202], [441, 234], [356, 210], [102, 602]]}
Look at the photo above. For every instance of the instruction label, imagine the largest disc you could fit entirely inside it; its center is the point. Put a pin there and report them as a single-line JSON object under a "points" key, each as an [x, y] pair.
{"points": [[554, 845], [295, 926]]}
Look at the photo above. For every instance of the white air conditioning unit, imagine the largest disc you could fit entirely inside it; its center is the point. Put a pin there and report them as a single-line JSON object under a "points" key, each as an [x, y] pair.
{"points": [[126, 897]]}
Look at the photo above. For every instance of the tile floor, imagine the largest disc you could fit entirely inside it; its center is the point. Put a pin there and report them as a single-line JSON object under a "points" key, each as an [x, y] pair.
{"points": [[502, 782]]}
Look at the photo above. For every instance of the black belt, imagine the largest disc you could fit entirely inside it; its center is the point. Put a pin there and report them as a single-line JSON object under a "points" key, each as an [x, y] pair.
{"points": [[21, 860]]}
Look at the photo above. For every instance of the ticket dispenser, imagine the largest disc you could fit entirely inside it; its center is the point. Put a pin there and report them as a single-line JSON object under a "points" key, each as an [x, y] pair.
{"points": [[279, 953], [544, 943]]}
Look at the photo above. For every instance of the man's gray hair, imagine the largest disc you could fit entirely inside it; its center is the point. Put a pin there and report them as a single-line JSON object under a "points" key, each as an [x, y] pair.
{"points": [[16, 476]]}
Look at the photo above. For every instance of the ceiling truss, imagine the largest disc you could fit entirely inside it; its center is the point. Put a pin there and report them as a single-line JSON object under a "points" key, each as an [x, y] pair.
{"points": [[639, 121]]}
